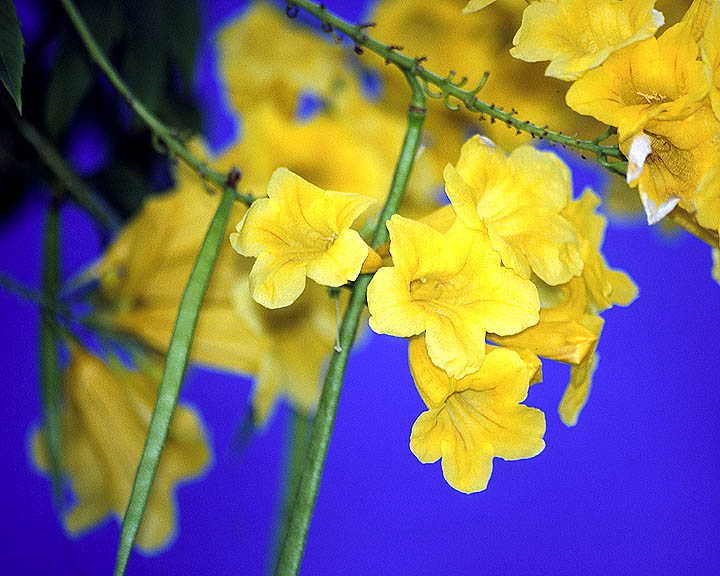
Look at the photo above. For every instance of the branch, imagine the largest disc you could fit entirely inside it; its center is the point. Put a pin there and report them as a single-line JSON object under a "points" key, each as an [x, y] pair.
{"points": [[608, 156], [161, 132]]}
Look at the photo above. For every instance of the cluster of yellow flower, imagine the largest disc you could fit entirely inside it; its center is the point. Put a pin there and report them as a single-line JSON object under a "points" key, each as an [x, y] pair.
{"points": [[662, 94], [513, 260]]}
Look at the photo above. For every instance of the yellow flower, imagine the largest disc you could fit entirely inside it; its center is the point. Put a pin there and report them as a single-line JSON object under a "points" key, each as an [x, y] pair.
{"points": [[144, 272], [452, 287], [518, 200], [577, 35], [605, 286], [262, 55], [300, 231], [564, 332], [104, 423], [668, 159], [295, 344], [657, 79], [710, 48], [472, 420], [716, 265]]}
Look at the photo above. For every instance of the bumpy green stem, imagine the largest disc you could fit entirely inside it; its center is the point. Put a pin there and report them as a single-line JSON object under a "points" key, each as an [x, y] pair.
{"points": [[322, 425], [608, 156], [164, 134], [49, 360], [175, 363]]}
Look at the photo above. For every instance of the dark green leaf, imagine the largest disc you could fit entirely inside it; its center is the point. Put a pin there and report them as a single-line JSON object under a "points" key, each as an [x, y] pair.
{"points": [[175, 363], [71, 78], [12, 56]]}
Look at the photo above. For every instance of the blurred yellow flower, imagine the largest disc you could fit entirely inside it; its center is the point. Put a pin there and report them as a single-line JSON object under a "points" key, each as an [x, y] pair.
{"points": [[475, 419], [104, 423], [300, 231], [295, 344], [144, 272], [659, 79], [264, 56], [452, 287], [576, 35], [518, 199], [470, 45]]}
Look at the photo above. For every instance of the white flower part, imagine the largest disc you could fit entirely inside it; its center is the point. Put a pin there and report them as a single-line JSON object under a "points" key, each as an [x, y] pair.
{"points": [[656, 213], [487, 141], [640, 149], [658, 18]]}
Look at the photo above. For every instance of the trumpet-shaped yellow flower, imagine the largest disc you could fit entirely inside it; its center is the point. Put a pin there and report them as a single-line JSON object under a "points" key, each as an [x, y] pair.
{"points": [[577, 35], [567, 333], [518, 199], [564, 331], [300, 231], [655, 79], [605, 286], [710, 48], [452, 287], [668, 159], [475, 419], [106, 417]]}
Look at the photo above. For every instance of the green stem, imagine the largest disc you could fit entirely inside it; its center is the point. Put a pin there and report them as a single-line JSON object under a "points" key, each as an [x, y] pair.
{"points": [[49, 360], [609, 156], [76, 186], [161, 131], [175, 363], [322, 425], [294, 458]]}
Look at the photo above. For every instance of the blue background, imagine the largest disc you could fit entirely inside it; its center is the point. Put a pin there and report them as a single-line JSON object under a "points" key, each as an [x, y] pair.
{"points": [[632, 489]]}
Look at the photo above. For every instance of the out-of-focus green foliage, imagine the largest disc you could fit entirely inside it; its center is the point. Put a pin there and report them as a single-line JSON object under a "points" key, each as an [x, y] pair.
{"points": [[153, 43]]}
